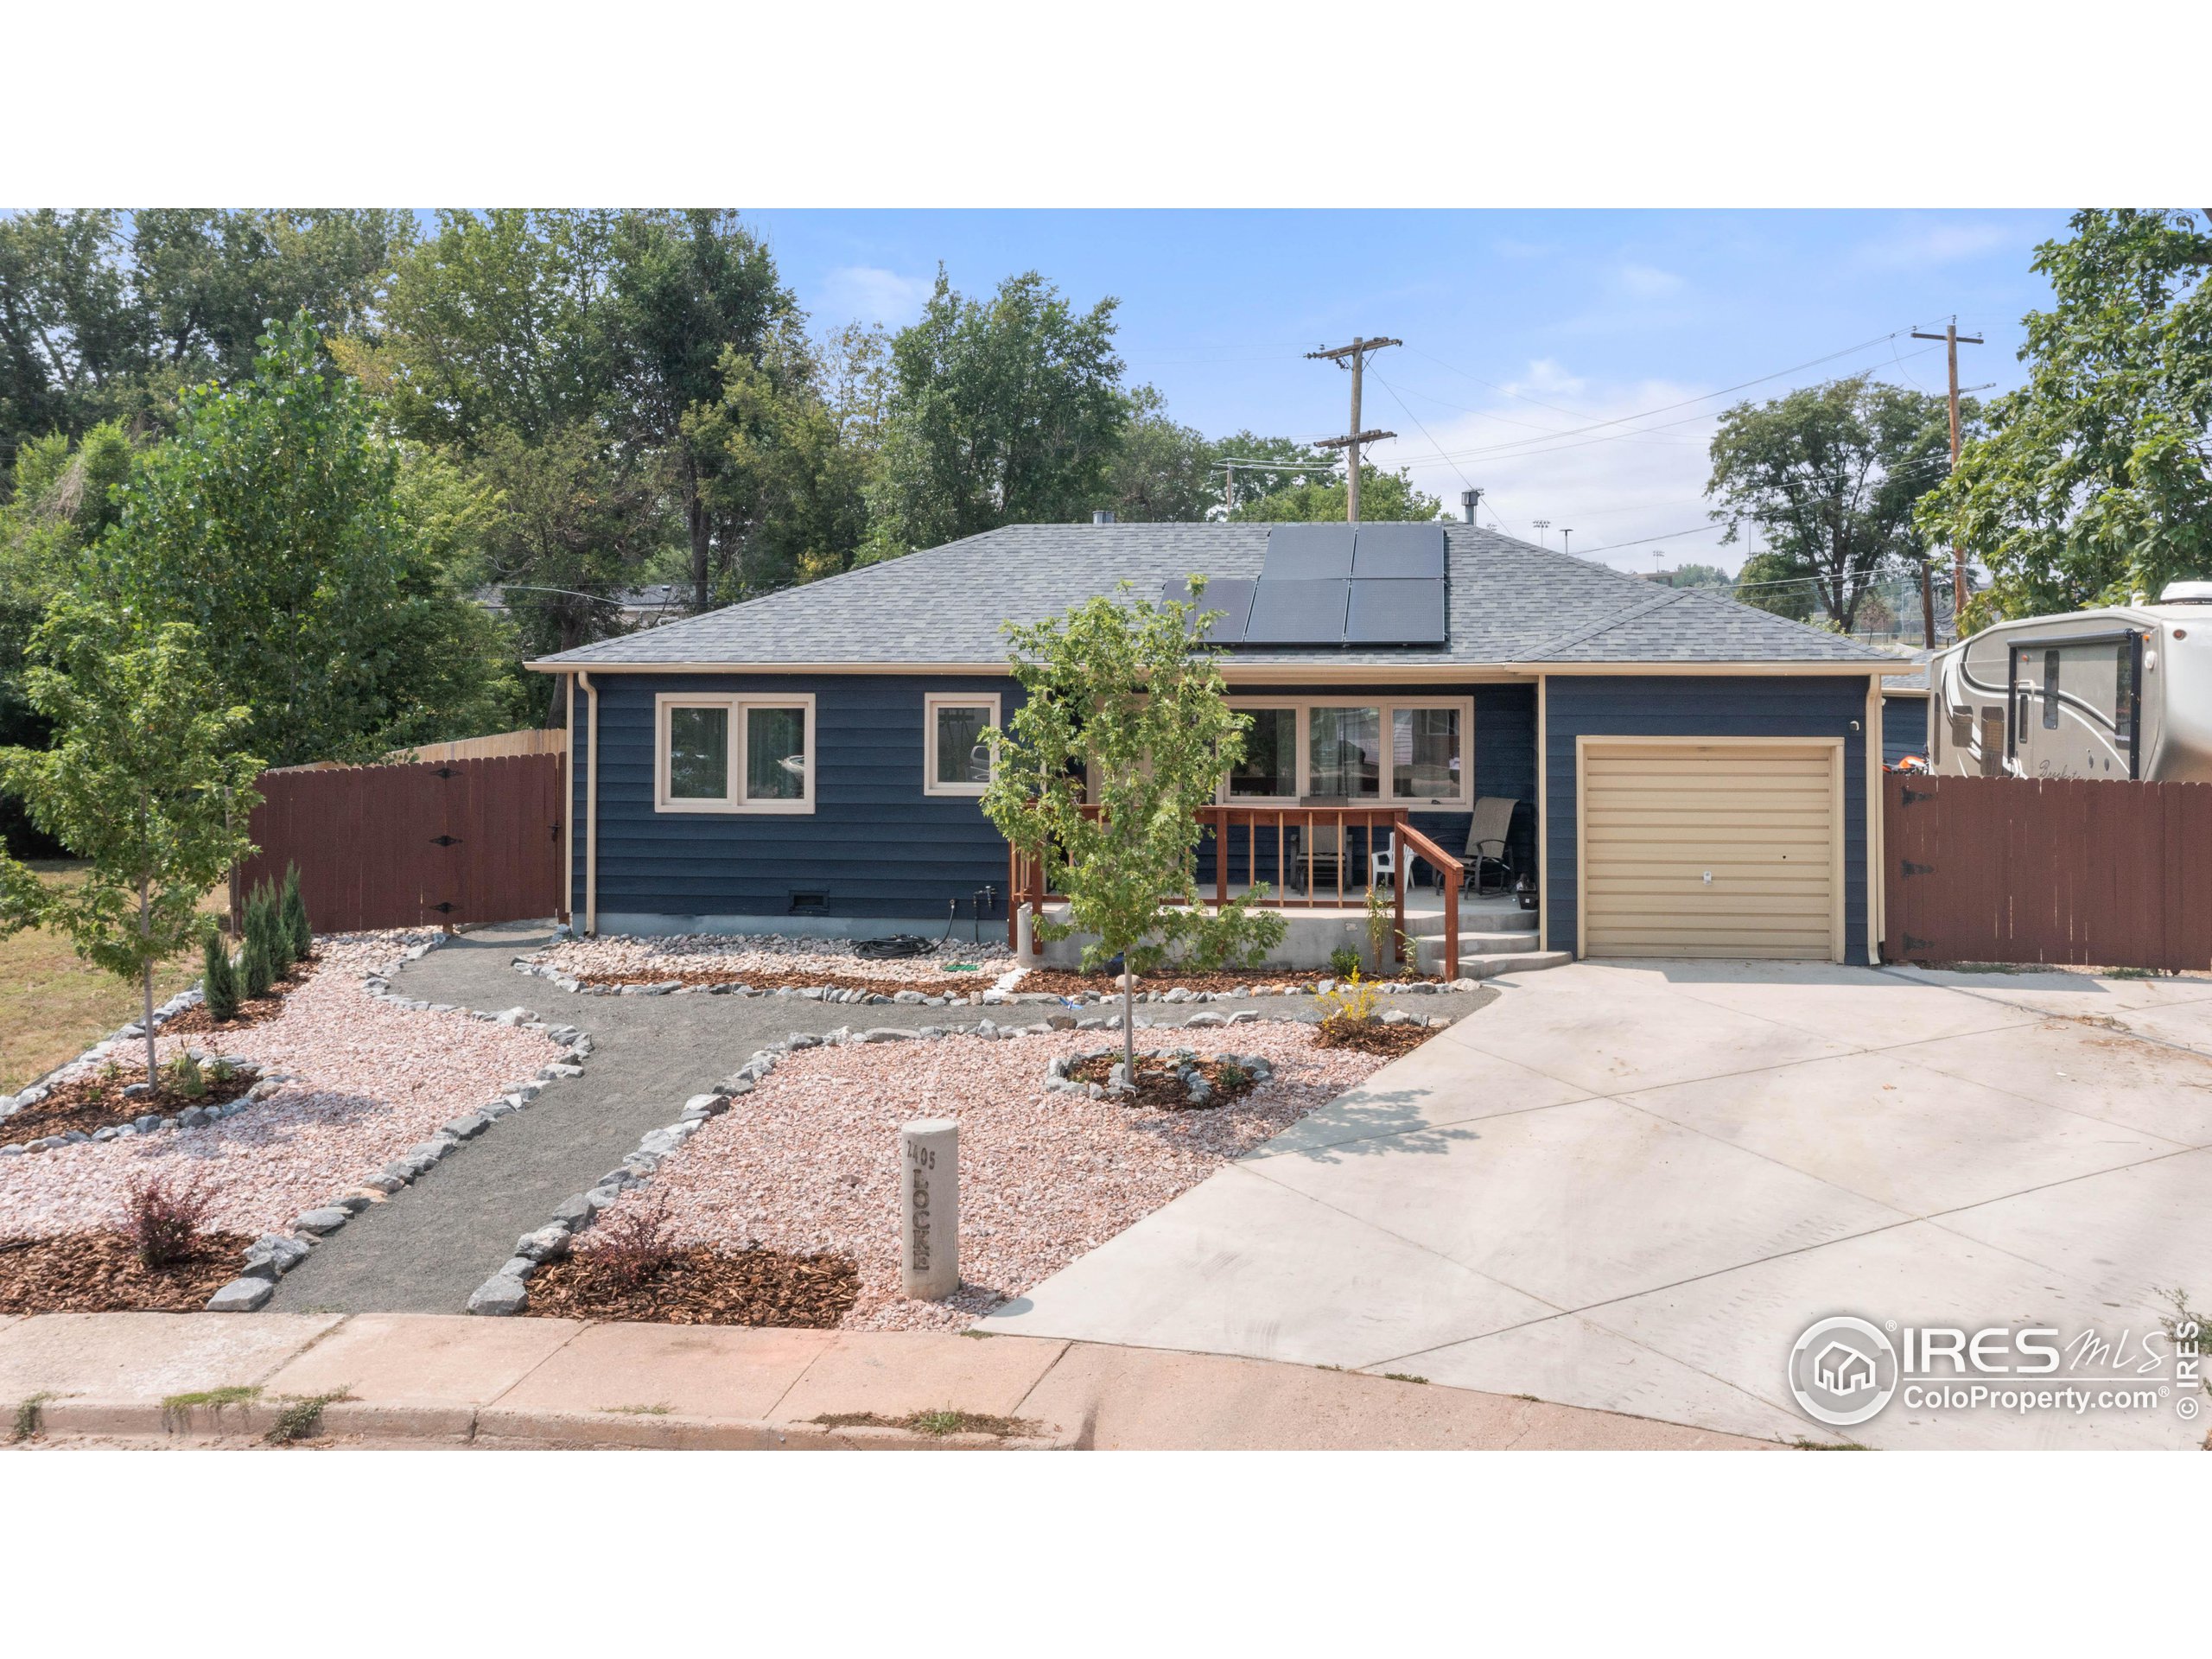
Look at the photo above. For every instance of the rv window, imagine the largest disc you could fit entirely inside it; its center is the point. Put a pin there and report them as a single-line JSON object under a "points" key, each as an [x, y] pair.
{"points": [[2050, 690], [2123, 698]]}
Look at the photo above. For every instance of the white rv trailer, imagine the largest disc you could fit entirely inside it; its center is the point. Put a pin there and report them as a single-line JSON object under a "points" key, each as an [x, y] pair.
{"points": [[2122, 692]]}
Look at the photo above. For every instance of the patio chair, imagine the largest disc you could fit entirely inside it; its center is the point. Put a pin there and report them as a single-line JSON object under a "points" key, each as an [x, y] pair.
{"points": [[1488, 852], [1318, 846]]}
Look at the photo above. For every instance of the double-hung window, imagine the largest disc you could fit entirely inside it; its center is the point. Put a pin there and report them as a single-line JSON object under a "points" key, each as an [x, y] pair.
{"points": [[1392, 751], [733, 754], [955, 760]]}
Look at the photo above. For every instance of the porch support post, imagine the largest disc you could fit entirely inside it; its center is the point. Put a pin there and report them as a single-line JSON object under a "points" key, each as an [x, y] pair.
{"points": [[1876, 854], [1400, 854], [1451, 926], [1543, 821]]}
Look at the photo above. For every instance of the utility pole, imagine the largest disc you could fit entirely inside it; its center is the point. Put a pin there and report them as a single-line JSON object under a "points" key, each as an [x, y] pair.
{"points": [[1357, 351], [1952, 340]]}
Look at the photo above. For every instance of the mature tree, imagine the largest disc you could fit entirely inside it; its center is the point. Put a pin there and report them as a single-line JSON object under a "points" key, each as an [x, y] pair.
{"points": [[1773, 581], [64, 499], [1123, 733], [73, 340], [1005, 411], [1383, 496], [575, 520], [778, 478], [1166, 472], [212, 281], [1698, 575], [269, 522], [144, 781], [2094, 480], [697, 305], [1830, 474]]}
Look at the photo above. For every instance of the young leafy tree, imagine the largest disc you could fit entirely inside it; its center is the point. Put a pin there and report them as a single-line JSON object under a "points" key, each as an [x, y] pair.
{"points": [[1123, 732], [2094, 480], [144, 781], [1383, 496], [1830, 474]]}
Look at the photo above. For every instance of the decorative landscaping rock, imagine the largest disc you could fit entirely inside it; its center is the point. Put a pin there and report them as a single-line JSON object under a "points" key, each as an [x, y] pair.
{"points": [[546, 1244], [277, 1251], [499, 1296], [467, 1128], [241, 1296], [327, 1220]]}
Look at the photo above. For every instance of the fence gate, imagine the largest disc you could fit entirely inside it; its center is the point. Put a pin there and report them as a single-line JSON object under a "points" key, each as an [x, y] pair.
{"points": [[417, 845], [2072, 870]]}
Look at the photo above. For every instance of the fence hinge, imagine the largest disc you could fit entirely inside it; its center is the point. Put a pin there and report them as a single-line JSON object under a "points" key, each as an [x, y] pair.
{"points": [[445, 908], [445, 840], [1911, 795], [1912, 869]]}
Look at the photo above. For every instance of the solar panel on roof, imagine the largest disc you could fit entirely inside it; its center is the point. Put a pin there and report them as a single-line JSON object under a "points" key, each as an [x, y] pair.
{"points": [[1297, 612], [1399, 551], [1307, 552], [1230, 595], [1395, 610]]}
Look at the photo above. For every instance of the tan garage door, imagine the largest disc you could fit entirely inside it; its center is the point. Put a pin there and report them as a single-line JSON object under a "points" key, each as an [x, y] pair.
{"points": [[1723, 848]]}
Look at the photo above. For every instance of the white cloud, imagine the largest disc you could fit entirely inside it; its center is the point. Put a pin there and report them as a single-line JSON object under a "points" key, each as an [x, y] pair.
{"points": [[1639, 483], [1647, 281], [871, 293]]}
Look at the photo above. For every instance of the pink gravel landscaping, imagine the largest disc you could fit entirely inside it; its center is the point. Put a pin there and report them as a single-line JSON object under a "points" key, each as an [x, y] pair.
{"points": [[808, 1161], [734, 955], [373, 1079]]}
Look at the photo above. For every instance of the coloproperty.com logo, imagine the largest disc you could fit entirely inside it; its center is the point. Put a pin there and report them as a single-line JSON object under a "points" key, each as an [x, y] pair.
{"points": [[1845, 1370]]}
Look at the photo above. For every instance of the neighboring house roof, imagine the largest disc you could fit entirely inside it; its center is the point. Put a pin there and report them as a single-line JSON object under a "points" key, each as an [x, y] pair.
{"points": [[1511, 603], [1912, 684]]}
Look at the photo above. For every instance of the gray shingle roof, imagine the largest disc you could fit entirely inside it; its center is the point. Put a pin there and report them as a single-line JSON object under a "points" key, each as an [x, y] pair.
{"points": [[1510, 602]]}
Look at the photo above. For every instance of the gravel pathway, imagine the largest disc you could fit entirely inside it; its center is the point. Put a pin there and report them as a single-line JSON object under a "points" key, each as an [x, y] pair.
{"points": [[436, 1241], [809, 1159]]}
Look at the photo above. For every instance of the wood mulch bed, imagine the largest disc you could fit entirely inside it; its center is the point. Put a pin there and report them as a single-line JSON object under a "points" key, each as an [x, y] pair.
{"points": [[100, 1272], [96, 1101], [251, 1010], [698, 1285], [940, 985], [1160, 1083], [1373, 1037]]}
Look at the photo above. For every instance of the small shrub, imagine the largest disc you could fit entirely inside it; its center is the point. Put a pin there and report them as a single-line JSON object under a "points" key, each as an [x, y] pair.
{"points": [[1230, 1075], [186, 1078], [218, 979], [1352, 1002], [292, 911], [633, 1245], [220, 1070], [256, 972], [275, 941], [302, 1419], [164, 1219], [1344, 962]]}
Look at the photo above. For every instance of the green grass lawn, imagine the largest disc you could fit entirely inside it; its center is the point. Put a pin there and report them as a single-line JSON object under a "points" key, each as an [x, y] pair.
{"points": [[53, 1005]]}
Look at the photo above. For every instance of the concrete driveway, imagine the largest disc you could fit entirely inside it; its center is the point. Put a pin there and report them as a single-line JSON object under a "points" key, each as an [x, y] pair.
{"points": [[1631, 1187]]}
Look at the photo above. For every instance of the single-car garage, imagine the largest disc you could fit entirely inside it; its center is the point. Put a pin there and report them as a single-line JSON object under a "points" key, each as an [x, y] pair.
{"points": [[1711, 847]]}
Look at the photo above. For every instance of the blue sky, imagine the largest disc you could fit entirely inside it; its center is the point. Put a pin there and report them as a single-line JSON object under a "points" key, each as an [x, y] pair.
{"points": [[1518, 325]]}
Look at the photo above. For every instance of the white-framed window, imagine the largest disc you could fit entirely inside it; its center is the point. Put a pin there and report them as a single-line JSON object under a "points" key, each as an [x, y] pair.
{"points": [[749, 753], [1414, 750], [954, 758]]}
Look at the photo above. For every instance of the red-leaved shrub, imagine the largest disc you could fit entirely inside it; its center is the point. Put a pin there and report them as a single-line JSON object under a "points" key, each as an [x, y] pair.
{"points": [[164, 1218]]}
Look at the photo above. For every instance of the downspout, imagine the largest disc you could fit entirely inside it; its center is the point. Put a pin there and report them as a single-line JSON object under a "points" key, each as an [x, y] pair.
{"points": [[1543, 817], [1877, 860], [569, 813], [591, 805]]}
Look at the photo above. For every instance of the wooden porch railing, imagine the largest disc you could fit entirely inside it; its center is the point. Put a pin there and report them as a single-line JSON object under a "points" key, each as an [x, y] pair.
{"points": [[1294, 836]]}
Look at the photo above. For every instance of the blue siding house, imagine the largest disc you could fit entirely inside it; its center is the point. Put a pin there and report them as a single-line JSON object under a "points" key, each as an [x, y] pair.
{"points": [[1680, 775]]}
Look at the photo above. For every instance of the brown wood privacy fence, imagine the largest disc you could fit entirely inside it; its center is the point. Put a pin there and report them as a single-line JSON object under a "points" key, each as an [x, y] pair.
{"points": [[411, 846], [2112, 874]]}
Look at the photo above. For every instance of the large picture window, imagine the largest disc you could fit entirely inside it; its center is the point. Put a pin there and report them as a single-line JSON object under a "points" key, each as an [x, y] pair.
{"points": [[733, 754], [954, 758], [1411, 751]]}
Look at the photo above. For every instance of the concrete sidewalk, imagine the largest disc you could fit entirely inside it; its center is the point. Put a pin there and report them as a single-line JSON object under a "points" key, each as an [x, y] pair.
{"points": [[439, 1381]]}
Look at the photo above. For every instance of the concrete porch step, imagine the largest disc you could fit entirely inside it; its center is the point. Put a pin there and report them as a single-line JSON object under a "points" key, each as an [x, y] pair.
{"points": [[1488, 965]]}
